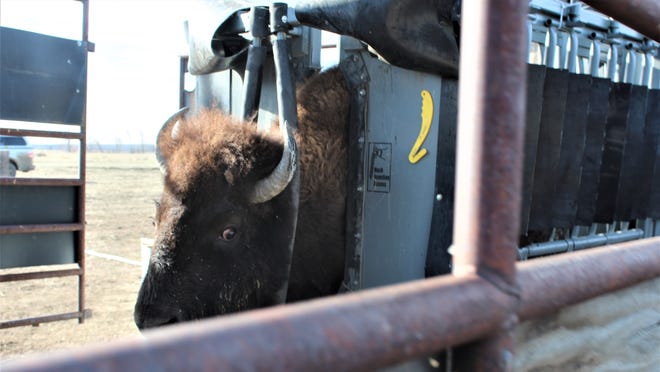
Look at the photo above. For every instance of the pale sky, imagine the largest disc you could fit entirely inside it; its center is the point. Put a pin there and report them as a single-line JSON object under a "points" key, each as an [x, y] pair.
{"points": [[133, 76]]}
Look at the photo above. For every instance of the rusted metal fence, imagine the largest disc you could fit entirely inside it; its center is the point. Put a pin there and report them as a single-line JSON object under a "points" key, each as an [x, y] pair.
{"points": [[477, 306]]}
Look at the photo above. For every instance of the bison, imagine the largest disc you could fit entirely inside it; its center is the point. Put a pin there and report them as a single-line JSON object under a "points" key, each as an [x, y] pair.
{"points": [[218, 247]]}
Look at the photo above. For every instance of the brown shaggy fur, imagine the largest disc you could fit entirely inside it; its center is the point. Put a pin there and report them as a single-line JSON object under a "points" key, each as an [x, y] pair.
{"points": [[212, 142]]}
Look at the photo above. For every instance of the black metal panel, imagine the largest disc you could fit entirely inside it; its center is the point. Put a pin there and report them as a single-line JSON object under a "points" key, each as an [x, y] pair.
{"points": [[21, 250], [648, 158], [631, 166], [38, 205], [42, 78], [564, 204], [653, 125], [615, 137], [593, 150], [535, 82], [438, 259], [547, 155], [654, 205]]}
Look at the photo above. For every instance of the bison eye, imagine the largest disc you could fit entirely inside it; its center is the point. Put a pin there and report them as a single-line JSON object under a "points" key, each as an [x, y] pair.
{"points": [[229, 233]]}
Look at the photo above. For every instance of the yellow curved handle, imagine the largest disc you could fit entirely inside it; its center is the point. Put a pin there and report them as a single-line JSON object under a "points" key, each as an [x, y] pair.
{"points": [[427, 116]]}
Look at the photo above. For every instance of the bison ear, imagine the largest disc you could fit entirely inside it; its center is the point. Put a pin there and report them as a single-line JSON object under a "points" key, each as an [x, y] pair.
{"points": [[165, 138]]}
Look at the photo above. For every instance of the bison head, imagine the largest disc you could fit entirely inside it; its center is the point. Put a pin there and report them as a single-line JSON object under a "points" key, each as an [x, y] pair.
{"points": [[224, 223]]}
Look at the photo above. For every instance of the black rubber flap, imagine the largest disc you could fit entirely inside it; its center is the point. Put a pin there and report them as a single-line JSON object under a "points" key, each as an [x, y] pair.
{"points": [[593, 150], [653, 130], [547, 155], [438, 260], [535, 82], [615, 138], [564, 204], [631, 165]]}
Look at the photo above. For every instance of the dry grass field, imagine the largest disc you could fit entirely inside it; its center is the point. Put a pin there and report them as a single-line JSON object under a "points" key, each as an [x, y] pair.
{"points": [[120, 191]]}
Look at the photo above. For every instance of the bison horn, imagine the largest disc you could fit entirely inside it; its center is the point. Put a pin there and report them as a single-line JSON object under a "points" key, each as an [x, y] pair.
{"points": [[173, 120], [271, 186]]}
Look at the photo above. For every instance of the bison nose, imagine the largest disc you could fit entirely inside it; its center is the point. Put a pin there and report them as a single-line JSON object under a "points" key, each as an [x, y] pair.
{"points": [[151, 318]]}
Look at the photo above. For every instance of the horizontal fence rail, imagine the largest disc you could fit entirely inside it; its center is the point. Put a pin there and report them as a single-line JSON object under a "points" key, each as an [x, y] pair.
{"points": [[40, 133], [368, 329]]}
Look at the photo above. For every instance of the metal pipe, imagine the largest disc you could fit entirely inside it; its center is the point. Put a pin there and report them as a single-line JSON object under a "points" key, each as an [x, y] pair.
{"points": [[39, 275], [82, 175], [286, 94], [45, 319], [613, 62], [37, 228], [641, 15], [183, 69], [573, 53], [632, 67], [492, 78], [548, 284], [623, 67], [595, 59], [563, 50], [255, 61], [38, 133], [40, 182], [578, 243], [648, 67], [288, 117], [552, 47], [367, 329], [357, 331]]}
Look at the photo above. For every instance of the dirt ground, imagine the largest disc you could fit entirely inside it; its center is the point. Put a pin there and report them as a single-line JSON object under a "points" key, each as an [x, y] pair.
{"points": [[121, 189]]}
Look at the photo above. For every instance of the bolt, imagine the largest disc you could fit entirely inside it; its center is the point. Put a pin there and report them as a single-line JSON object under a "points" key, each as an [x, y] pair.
{"points": [[361, 140], [285, 19], [362, 92], [363, 76], [360, 188], [438, 197]]}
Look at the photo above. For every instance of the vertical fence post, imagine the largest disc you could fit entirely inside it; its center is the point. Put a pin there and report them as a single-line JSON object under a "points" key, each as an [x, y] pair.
{"points": [[489, 162], [82, 173]]}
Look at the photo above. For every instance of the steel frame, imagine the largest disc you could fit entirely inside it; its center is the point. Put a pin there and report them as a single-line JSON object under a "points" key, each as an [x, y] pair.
{"points": [[476, 307]]}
